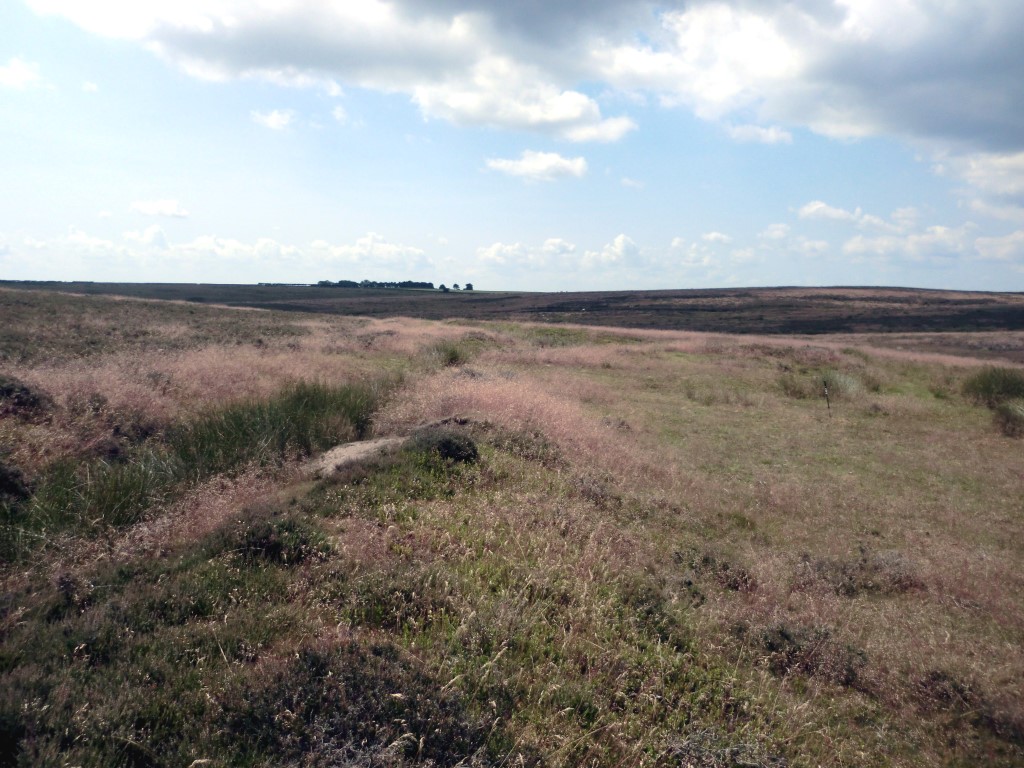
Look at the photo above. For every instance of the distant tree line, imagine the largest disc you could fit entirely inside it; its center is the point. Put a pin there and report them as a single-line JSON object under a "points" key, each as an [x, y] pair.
{"points": [[389, 284], [376, 284]]}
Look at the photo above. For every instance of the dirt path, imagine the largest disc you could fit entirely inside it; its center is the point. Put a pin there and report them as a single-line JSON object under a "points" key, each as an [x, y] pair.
{"points": [[350, 453]]}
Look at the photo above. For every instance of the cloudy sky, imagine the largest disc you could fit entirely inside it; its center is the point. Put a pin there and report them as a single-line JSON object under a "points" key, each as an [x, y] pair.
{"points": [[520, 144]]}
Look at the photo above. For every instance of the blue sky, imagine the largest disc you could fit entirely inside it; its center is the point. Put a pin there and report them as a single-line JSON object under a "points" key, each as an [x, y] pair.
{"points": [[516, 145]]}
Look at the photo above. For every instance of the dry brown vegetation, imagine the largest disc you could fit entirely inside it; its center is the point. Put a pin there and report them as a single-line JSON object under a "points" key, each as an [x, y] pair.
{"points": [[671, 551]]}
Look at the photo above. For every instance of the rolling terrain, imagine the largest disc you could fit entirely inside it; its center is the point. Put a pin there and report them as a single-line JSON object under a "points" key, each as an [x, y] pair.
{"points": [[589, 541]]}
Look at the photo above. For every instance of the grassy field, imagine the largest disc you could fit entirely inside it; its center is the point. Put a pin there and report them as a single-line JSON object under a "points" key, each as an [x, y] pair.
{"points": [[889, 311], [600, 546]]}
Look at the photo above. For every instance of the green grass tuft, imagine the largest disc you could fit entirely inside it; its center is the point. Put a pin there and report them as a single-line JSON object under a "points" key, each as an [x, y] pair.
{"points": [[993, 385], [1009, 417], [305, 418], [87, 498]]}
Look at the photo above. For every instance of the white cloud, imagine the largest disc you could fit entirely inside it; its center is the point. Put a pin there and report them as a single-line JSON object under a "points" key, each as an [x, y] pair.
{"points": [[631, 183], [275, 120], [169, 208], [554, 249], [504, 253], [340, 115], [152, 235], [996, 181], [759, 134], [934, 243], [775, 232], [80, 255], [556, 246], [941, 72], [715, 237], [370, 248], [998, 174], [90, 87], [501, 91], [1006, 248], [540, 166], [621, 249], [816, 209], [20, 75]]}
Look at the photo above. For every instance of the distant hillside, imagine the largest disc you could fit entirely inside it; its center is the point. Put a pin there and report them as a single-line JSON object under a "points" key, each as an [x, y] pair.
{"points": [[734, 310]]}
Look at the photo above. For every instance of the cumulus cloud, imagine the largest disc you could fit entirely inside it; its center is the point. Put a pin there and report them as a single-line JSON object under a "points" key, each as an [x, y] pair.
{"points": [[275, 120], [916, 68], [370, 248], [540, 166], [817, 209], [1005, 248], [152, 235], [942, 75], [775, 232], [19, 75], [759, 134], [551, 251], [715, 237], [455, 62], [934, 243], [81, 255], [619, 250], [169, 208]]}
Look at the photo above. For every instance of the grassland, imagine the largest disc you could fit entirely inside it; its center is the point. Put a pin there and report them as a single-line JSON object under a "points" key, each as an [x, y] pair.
{"points": [[927, 319], [666, 549]]}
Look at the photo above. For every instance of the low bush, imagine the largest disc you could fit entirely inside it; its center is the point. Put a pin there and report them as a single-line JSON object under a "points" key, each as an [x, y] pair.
{"points": [[810, 651], [449, 352], [993, 385], [345, 699], [446, 444], [12, 484], [1009, 417], [260, 536], [18, 399], [882, 573]]}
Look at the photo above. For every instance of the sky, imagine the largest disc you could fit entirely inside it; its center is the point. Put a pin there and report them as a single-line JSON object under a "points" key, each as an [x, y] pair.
{"points": [[515, 145]]}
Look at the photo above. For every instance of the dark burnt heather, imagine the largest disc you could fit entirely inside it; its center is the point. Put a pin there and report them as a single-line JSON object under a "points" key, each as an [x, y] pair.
{"points": [[734, 310]]}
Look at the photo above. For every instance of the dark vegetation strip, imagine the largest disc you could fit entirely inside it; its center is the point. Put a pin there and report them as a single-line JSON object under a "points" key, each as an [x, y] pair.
{"points": [[85, 498], [757, 310]]}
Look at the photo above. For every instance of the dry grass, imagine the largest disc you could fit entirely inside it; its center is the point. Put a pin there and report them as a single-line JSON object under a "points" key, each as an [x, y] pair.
{"points": [[838, 586]]}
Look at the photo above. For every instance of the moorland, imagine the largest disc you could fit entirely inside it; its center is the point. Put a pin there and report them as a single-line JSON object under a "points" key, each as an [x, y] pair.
{"points": [[605, 539]]}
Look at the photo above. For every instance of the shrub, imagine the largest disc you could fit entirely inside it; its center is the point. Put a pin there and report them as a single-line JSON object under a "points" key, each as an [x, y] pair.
{"points": [[449, 352], [992, 386], [12, 484], [1009, 417], [18, 399], [278, 539], [840, 384], [345, 698], [446, 444], [810, 651], [884, 573]]}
